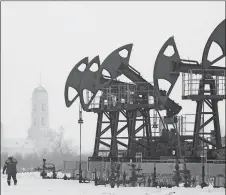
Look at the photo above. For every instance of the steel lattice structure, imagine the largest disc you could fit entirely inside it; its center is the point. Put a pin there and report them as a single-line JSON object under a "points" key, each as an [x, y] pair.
{"points": [[126, 107]]}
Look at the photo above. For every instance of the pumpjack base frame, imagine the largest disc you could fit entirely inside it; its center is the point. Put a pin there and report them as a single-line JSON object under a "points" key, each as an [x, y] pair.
{"points": [[156, 160]]}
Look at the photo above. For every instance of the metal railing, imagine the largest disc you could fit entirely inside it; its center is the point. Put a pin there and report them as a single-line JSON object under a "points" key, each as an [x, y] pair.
{"points": [[191, 82], [129, 93]]}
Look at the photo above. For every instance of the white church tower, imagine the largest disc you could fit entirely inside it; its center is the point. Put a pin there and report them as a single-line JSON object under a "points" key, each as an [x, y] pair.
{"points": [[39, 115]]}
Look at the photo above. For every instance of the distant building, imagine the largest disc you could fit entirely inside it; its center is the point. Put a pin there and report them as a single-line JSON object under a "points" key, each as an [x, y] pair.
{"points": [[39, 129], [39, 134]]}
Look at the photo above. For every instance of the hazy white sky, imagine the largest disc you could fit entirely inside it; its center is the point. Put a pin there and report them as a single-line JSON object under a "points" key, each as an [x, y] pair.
{"points": [[51, 37]]}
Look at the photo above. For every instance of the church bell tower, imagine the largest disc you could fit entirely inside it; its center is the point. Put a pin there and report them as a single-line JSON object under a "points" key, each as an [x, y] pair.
{"points": [[39, 114]]}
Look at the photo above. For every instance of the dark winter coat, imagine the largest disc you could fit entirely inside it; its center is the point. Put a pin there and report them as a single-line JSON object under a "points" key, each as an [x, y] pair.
{"points": [[10, 166]]}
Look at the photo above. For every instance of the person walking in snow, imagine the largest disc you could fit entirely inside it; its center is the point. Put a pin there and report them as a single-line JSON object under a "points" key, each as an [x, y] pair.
{"points": [[10, 168]]}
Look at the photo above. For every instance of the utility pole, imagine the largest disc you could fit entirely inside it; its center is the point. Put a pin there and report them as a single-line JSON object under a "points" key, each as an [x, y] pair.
{"points": [[80, 121], [203, 184]]}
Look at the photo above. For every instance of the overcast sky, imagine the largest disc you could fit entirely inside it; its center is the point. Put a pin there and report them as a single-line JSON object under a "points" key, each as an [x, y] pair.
{"points": [[51, 37]]}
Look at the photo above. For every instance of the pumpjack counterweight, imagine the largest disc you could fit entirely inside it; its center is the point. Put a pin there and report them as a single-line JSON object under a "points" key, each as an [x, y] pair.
{"points": [[130, 114]]}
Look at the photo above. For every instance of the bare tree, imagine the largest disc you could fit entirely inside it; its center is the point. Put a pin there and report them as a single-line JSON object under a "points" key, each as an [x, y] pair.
{"points": [[60, 144]]}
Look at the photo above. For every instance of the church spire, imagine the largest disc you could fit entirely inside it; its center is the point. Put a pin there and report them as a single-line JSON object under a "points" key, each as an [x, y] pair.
{"points": [[40, 79]]}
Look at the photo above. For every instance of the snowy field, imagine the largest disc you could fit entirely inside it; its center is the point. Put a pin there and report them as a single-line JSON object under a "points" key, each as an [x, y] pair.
{"points": [[32, 184]]}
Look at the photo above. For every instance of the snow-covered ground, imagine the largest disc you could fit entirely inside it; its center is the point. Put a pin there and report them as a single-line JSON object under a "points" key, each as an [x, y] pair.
{"points": [[33, 184]]}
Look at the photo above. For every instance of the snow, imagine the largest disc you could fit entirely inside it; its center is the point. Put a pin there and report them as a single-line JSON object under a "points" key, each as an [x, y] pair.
{"points": [[32, 183]]}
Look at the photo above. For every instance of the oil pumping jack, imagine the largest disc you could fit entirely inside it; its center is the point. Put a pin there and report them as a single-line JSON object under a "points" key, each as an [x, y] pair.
{"points": [[132, 100], [117, 97], [208, 91]]}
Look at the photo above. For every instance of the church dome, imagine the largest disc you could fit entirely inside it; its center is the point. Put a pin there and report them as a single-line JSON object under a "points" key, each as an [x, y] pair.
{"points": [[39, 90]]}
